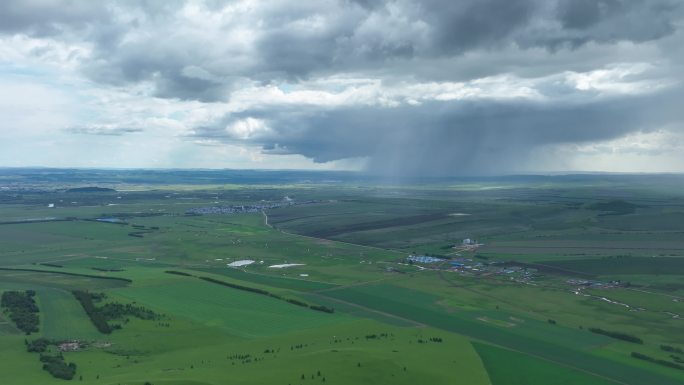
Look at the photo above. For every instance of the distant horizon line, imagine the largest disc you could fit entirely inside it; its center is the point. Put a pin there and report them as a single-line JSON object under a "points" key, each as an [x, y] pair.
{"points": [[359, 172]]}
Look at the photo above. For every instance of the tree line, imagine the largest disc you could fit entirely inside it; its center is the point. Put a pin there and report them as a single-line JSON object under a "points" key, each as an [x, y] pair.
{"points": [[658, 361], [618, 335], [265, 292], [67, 273], [96, 317], [255, 290]]}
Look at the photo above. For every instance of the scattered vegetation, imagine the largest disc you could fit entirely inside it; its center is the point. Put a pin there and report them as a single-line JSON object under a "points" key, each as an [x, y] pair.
{"points": [[431, 339]]}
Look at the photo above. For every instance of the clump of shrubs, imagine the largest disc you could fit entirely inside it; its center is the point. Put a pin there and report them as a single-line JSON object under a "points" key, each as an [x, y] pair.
{"points": [[22, 309]]}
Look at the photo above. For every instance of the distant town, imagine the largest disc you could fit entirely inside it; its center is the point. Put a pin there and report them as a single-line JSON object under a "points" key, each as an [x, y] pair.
{"points": [[251, 208]]}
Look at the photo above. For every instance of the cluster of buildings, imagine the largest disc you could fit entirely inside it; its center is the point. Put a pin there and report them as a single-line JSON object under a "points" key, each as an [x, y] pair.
{"points": [[423, 259], [240, 209], [69, 346], [224, 210], [468, 265], [465, 264]]}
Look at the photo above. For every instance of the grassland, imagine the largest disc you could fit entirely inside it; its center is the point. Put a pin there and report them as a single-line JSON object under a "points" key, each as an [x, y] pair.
{"points": [[393, 322], [506, 367], [239, 313]]}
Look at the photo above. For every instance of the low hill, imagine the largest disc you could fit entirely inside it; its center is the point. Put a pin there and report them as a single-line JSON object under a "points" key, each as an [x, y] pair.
{"points": [[90, 189]]}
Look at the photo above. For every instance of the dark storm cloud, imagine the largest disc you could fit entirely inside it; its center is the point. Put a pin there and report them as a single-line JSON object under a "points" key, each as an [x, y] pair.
{"points": [[405, 31], [614, 20], [451, 137], [463, 25], [36, 17]]}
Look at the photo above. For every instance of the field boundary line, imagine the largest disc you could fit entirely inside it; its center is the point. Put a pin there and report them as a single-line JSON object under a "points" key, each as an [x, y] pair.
{"points": [[339, 287], [390, 315]]}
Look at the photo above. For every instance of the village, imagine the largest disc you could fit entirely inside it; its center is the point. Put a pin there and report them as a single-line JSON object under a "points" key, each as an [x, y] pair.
{"points": [[479, 266], [243, 209], [473, 267]]}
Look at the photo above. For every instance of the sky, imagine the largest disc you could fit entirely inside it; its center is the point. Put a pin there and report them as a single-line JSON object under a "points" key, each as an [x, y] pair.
{"points": [[406, 87]]}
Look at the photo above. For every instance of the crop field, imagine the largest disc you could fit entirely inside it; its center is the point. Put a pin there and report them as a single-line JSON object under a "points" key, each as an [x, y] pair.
{"points": [[623, 265], [323, 290], [63, 317]]}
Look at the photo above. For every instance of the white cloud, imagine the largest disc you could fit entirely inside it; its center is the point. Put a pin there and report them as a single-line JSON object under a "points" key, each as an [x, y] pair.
{"points": [[657, 143], [248, 128], [657, 151], [623, 78]]}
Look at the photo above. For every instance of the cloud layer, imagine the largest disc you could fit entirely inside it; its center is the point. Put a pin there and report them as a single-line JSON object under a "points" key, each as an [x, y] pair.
{"points": [[432, 87]]}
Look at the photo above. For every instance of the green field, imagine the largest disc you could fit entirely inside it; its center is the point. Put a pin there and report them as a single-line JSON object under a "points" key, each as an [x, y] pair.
{"points": [[555, 257], [63, 318], [237, 312]]}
